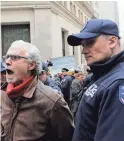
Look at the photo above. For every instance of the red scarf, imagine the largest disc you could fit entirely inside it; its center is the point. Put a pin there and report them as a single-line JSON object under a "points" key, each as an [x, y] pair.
{"points": [[19, 90]]}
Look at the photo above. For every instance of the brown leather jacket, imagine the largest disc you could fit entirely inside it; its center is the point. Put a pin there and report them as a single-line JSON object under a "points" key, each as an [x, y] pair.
{"points": [[39, 115]]}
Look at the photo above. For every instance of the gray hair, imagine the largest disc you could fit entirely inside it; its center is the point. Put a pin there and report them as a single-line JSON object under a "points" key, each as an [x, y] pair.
{"points": [[106, 36], [32, 53]]}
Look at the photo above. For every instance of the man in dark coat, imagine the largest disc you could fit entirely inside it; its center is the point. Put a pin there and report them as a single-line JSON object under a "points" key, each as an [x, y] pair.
{"points": [[75, 91], [100, 115], [66, 84]]}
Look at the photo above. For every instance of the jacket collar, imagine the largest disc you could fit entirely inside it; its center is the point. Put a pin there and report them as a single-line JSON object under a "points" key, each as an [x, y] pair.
{"points": [[30, 90], [100, 69]]}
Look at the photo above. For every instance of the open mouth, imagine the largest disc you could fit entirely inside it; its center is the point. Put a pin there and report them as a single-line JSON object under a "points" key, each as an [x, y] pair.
{"points": [[10, 72]]}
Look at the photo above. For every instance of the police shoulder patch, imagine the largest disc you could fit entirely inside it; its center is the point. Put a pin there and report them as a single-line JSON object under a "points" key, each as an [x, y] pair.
{"points": [[121, 94], [89, 94]]}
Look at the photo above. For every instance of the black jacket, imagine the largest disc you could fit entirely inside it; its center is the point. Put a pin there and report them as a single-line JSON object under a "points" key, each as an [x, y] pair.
{"points": [[66, 84], [50, 82], [100, 115]]}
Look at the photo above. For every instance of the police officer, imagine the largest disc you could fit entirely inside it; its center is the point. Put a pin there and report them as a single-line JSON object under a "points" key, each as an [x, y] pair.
{"points": [[100, 115]]}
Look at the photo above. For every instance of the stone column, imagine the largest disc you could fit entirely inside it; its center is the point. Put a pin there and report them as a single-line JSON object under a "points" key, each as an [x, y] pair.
{"points": [[42, 23]]}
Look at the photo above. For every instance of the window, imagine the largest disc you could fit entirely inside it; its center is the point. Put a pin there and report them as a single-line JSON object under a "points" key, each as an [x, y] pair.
{"points": [[71, 6], [91, 2], [65, 46], [65, 4], [63, 43], [11, 33], [74, 9], [79, 14]]}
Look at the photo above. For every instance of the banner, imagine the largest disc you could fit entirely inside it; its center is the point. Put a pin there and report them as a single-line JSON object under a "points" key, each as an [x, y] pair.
{"points": [[62, 62]]}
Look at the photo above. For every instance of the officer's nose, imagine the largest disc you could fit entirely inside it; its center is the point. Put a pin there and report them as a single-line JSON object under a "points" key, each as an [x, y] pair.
{"points": [[84, 50]]}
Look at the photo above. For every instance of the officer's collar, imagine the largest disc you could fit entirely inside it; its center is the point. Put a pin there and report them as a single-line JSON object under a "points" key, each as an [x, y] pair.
{"points": [[104, 67]]}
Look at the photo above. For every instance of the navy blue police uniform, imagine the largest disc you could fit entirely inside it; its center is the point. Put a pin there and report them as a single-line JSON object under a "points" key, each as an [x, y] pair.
{"points": [[100, 115]]}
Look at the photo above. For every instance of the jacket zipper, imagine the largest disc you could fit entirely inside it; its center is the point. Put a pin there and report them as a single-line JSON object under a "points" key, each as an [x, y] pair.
{"points": [[15, 112]]}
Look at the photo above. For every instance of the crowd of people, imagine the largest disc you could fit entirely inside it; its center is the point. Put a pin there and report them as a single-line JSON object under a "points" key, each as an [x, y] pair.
{"points": [[67, 107], [67, 83]]}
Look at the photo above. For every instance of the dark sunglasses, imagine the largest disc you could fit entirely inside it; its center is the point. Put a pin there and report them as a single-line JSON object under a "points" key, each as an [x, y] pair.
{"points": [[88, 42], [13, 57]]}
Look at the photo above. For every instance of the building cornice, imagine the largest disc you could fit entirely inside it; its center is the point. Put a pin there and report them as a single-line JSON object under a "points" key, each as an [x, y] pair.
{"points": [[65, 13], [23, 3], [55, 7], [88, 9], [27, 7]]}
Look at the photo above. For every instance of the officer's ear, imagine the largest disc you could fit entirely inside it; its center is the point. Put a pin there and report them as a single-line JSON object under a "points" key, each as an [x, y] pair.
{"points": [[112, 41]]}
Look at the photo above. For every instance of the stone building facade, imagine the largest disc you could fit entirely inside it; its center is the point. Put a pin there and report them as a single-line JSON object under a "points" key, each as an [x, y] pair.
{"points": [[45, 24]]}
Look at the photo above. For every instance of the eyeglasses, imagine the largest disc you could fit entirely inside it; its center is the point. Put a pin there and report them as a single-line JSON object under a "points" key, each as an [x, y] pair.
{"points": [[88, 42], [13, 57]]}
